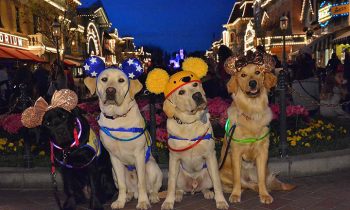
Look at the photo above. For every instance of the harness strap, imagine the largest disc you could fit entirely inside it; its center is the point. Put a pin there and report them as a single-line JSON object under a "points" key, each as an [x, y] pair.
{"points": [[141, 131], [246, 140], [206, 137], [148, 152], [189, 147]]}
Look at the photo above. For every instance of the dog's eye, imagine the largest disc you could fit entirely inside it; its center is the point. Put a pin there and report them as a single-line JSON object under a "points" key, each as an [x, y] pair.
{"points": [[104, 79], [47, 123], [181, 92], [121, 80], [243, 75], [195, 84], [257, 72]]}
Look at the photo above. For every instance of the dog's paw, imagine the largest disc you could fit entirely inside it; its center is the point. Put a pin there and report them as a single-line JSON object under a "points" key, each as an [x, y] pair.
{"points": [[118, 204], [235, 198], [179, 195], [221, 204], [208, 194], [167, 205], [129, 196], [143, 205], [266, 199], [154, 198]]}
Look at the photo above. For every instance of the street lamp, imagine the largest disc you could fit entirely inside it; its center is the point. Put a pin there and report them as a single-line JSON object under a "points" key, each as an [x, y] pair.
{"points": [[284, 27], [282, 92], [56, 33]]}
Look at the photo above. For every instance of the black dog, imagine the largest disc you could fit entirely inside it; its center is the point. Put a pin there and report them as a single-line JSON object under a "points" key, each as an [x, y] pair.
{"points": [[69, 134]]}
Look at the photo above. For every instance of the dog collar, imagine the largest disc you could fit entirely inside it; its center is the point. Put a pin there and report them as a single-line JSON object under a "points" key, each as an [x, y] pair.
{"points": [[228, 128], [178, 121], [76, 135], [93, 144], [116, 116]]}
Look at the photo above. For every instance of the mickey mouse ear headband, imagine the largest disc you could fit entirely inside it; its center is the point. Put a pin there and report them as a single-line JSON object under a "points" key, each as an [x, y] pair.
{"points": [[94, 66], [235, 64], [33, 116], [158, 80]]}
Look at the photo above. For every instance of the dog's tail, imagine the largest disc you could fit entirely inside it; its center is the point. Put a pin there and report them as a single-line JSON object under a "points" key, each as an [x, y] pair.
{"points": [[273, 183]]}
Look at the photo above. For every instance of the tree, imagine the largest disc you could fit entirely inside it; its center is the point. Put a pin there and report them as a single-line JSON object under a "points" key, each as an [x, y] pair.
{"points": [[44, 15]]}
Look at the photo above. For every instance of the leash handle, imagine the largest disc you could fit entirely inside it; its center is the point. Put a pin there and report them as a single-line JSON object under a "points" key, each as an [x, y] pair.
{"points": [[189, 147]]}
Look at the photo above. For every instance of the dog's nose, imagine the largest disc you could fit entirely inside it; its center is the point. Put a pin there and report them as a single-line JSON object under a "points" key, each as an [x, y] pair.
{"points": [[198, 98], [252, 84], [111, 91]]}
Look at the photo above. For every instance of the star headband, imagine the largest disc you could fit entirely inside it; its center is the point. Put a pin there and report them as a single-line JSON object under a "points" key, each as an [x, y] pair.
{"points": [[132, 67], [235, 64], [33, 116]]}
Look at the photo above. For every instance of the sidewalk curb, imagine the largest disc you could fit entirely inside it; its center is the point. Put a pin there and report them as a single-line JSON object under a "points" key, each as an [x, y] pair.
{"points": [[295, 166]]}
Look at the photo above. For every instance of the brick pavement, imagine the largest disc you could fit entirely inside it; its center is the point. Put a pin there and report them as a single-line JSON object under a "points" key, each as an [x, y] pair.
{"points": [[331, 191]]}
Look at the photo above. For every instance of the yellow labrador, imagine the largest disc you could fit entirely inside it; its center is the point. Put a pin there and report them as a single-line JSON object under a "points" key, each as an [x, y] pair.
{"points": [[249, 86], [196, 169], [120, 115]]}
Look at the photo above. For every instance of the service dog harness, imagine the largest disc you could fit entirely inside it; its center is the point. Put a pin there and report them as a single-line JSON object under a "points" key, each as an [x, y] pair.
{"points": [[139, 132], [93, 144]]}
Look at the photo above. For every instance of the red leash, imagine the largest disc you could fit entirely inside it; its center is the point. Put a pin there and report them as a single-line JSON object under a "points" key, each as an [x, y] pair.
{"points": [[189, 147]]}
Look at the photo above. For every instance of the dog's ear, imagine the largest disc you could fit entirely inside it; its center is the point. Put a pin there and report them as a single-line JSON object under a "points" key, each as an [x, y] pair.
{"points": [[232, 85], [135, 87], [169, 108], [90, 83], [270, 80]]}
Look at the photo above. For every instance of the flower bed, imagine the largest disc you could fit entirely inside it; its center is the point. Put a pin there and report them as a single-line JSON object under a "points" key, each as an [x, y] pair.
{"points": [[305, 135]]}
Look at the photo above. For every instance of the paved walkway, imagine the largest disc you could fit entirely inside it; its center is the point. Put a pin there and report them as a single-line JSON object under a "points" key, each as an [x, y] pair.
{"points": [[331, 191]]}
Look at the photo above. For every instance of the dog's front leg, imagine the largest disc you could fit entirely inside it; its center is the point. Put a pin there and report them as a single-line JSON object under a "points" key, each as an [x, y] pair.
{"points": [[69, 203], [261, 164], [143, 202], [118, 169], [174, 167], [235, 196], [213, 170], [95, 203]]}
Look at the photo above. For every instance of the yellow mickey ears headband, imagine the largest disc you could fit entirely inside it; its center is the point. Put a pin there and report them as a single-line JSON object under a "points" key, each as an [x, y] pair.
{"points": [[158, 80]]}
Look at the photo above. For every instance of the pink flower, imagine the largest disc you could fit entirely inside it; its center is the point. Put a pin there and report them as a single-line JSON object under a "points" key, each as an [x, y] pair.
{"points": [[90, 107], [217, 107], [161, 134], [93, 123], [12, 123], [291, 111]]}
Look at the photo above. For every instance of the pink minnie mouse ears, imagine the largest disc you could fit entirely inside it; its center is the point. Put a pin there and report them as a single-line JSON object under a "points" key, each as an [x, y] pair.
{"points": [[33, 116], [235, 64]]}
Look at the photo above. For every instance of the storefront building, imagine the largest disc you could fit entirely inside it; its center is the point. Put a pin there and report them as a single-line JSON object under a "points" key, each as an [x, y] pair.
{"points": [[14, 31], [267, 14], [236, 27], [331, 35]]}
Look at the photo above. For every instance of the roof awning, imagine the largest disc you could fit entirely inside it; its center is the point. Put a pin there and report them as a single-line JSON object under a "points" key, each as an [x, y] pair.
{"points": [[69, 62], [321, 43], [344, 38], [18, 54]]}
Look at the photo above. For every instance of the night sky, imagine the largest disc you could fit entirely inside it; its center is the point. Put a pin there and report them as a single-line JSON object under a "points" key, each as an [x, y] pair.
{"points": [[169, 24]]}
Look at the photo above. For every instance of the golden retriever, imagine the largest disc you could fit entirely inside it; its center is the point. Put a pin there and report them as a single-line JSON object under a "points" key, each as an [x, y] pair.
{"points": [[196, 169], [119, 110], [251, 114]]}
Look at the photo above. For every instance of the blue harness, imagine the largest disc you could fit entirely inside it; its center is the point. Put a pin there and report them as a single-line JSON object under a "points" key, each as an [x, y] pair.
{"points": [[140, 131], [206, 137]]}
